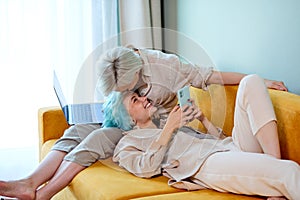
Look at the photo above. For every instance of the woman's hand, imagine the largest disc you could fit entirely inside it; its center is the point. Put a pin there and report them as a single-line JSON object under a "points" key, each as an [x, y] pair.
{"points": [[193, 112], [174, 121], [277, 85], [189, 113], [179, 117], [175, 118]]}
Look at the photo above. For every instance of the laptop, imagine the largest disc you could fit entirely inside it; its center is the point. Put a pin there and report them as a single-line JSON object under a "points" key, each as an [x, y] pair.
{"points": [[86, 113]]}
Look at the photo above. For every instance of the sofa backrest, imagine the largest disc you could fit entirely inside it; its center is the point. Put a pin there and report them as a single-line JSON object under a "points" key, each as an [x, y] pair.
{"points": [[217, 103], [287, 109]]}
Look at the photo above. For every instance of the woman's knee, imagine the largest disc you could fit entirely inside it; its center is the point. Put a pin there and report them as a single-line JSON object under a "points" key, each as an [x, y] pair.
{"points": [[252, 81], [98, 144], [105, 136], [292, 169], [252, 86]]}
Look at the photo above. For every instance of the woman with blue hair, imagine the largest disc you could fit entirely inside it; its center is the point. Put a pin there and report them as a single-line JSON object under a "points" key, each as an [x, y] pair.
{"points": [[193, 160]]}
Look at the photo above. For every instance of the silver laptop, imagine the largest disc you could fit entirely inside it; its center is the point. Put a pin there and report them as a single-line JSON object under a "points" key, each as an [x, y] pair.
{"points": [[86, 113]]}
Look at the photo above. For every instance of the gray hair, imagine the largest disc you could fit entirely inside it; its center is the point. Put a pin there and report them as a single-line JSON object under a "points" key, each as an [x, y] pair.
{"points": [[117, 68]]}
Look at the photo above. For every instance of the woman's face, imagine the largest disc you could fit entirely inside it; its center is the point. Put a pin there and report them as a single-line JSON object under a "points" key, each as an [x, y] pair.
{"points": [[131, 85], [139, 108]]}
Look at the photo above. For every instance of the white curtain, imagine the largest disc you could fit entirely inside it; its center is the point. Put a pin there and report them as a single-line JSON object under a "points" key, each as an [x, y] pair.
{"points": [[84, 30], [140, 23], [25, 60], [36, 37]]}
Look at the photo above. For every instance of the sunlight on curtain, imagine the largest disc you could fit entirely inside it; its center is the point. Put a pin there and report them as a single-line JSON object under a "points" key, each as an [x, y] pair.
{"points": [[25, 67], [72, 40], [81, 28], [37, 36]]}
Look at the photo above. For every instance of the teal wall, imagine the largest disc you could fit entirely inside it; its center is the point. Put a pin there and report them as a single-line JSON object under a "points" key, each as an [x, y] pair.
{"points": [[247, 36]]}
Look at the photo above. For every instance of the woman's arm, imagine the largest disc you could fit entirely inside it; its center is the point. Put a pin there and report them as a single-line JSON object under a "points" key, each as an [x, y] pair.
{"points": [[140, 156], [196, 113], [211, 129], [225, 78], [234, 78], [208, 125], [175, 120], [143, 157]]}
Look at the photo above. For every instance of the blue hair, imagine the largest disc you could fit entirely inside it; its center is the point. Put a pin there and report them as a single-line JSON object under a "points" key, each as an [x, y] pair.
{"points": [[115, 113]]}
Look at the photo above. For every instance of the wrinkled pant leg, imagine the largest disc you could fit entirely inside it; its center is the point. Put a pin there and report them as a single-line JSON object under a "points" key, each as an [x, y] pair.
{"points": [[251, 174], [99, 144], [73, 136], [253, 109]]}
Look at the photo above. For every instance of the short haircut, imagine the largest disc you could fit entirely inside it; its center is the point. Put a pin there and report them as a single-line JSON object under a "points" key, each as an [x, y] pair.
{"points": [[117, 68]]}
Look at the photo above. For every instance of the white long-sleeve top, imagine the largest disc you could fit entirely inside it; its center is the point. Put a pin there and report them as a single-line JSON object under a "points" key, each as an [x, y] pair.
{"points": [[139, 153], [166, 73]]}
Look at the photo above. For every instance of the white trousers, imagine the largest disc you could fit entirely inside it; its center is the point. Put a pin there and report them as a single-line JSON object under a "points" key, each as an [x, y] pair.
{"points": [[249, 171]]}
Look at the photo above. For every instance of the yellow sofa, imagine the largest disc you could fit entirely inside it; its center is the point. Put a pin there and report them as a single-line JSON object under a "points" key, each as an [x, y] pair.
{"points": [[106, 180]]}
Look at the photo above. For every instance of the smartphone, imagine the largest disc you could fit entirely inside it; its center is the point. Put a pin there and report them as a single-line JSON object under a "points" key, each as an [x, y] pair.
{"points": [[183, 95]]}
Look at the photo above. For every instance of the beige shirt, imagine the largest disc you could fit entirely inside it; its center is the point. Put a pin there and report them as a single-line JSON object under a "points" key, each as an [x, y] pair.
{"points": [[165, 74], [139, 153]]}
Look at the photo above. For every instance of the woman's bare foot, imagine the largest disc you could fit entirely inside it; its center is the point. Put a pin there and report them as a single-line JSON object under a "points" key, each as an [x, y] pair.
{"points": [[21, 189]]}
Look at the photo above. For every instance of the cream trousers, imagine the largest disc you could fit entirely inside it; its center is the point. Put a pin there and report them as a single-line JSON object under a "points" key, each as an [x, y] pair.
{"points": [[249, 171]]}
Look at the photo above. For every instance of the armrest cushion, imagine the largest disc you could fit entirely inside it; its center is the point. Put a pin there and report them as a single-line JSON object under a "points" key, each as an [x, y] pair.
{"points": [[51, 124], [287, 109]]}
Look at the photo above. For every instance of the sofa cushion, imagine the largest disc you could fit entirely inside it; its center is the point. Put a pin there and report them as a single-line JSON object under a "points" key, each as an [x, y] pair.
{"points": [[200, 194], [106, 180], [287, 109], [217, 103]]}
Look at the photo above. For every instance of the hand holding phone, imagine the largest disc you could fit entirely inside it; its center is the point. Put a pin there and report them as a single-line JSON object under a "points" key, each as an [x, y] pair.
{"points": [[183, 95]]}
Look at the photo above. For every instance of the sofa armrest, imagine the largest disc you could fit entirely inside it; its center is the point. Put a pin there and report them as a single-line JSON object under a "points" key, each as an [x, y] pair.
{"points": [[287, 109], [51, 124]]}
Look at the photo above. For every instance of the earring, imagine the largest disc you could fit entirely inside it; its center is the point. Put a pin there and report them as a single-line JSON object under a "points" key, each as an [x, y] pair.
{"points": [[133, 122]]}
